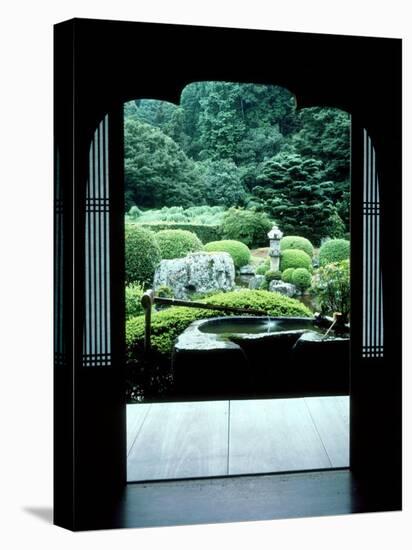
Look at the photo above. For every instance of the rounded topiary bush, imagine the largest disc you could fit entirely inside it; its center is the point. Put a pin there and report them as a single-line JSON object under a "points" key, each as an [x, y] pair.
{"points": [[295, 258], [297, 243], [169, 323], [177, 243], [334, 250], [272, 275], [288, 274], [142, 255], [239, 252], [301, 278]]}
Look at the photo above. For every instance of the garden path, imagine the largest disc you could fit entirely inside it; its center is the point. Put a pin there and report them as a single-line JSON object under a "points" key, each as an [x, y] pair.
{"points": [[218, 438]]}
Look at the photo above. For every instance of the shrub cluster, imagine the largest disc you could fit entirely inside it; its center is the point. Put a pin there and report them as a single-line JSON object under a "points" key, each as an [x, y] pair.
{"points": [[272, 275], [334, 250], [239, 252], [177, 243], [210, 215], [169, 323], [299, 243], [295, 258], [287, 274], [301, 278], [142, 255], [206, 233], [332, 286]]}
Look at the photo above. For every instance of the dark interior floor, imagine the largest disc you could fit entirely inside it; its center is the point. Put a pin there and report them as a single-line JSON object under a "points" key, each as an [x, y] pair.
{"points": [[244, 498]]}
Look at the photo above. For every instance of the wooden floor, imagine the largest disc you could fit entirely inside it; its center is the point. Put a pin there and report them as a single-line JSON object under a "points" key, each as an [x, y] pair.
{"points": [[218, 438]]}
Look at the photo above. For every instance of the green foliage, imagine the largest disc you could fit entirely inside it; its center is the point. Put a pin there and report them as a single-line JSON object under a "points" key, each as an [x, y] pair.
{"points": [[295, 258], [301, 278], [334, 250], [336, 227], [272, 275], [287, 275], [299, 243], [208, 215], [177, 243], [133, 295], [325, 134], [222, 183], [205, 233], [246, 226], [142, 255], [163, 291], [290, 189], [169, 323], [331, 284], [263, 268], [156, 170], [240, 252], [232, 144]]}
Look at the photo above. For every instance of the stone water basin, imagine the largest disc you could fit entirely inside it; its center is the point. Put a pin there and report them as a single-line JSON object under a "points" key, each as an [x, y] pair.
{"points": [[253, 356]]}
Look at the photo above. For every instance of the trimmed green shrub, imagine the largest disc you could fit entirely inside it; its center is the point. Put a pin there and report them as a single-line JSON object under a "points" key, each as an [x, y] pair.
{"points": [[272, 275], [301, 278], [295, 258], [164, 291], [240, 252], [177, 243], [246, 226], [142, 255], [169, 323], [263, 268], [288, 274], [334, 250], [206, 233], [331, 283], [133, 295], [298, 243]]}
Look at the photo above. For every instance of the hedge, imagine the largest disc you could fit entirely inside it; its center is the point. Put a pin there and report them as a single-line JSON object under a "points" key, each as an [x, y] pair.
{"points": [[240, 252], [169, 323], [177, 243], [272, 275], [334, 250], [295, 258], [301, 278], [288, 274], [297, 243], [133, 295], [206, 233], [142, 255]]}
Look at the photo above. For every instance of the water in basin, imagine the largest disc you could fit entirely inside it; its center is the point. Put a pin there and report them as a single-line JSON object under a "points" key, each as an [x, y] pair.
{"points": [[255, 326]]}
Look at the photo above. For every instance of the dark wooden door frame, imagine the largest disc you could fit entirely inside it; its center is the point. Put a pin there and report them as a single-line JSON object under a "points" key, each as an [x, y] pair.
{"points": [[101, 64]]}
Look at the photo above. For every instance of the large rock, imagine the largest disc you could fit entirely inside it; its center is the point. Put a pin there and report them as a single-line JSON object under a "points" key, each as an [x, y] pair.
{"points": [[286, 289], [200, 272]]}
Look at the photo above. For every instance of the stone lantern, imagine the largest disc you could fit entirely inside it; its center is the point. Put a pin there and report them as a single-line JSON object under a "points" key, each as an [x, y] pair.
{"points": [[275, 234]]}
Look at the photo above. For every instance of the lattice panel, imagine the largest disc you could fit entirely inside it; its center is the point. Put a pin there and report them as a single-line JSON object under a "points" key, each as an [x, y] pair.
{"points": [[96, 334], [372, 330]]}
